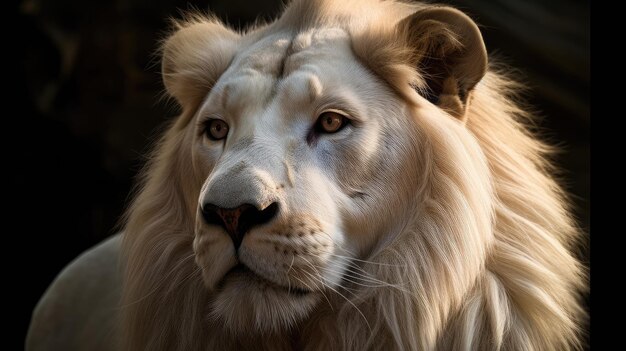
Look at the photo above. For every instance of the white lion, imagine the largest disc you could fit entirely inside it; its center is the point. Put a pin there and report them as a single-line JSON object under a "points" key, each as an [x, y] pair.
{"points": [[351, 176]]}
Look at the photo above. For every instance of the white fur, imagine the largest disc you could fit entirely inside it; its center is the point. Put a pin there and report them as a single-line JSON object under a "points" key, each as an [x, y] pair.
{"points": [[411, 228]]}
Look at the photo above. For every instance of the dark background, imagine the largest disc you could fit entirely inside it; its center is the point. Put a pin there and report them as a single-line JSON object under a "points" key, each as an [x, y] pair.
{"points": [[88, 94]]}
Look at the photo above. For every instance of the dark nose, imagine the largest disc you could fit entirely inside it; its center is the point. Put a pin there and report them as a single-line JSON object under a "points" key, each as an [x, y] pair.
{"points": [[238, 221]]}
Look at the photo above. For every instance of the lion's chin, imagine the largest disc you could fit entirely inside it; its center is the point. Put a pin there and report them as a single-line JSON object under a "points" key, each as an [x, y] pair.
{"points": [[246, 302]]}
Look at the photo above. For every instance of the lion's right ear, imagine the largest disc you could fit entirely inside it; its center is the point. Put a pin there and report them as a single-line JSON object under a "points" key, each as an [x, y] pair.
{"points": [[193, 58], [449, 52]]}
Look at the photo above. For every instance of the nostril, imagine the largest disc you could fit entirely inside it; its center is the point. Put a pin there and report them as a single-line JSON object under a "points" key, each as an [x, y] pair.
{"points": [[210, 214], [238, 221], [252, 216]]}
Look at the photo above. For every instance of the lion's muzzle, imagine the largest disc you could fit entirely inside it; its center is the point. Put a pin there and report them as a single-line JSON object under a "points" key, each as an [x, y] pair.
{"points": [[239, 199]]}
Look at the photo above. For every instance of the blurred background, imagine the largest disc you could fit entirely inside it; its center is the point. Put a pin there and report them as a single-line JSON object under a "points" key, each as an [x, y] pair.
{"points": [[88, 92]]}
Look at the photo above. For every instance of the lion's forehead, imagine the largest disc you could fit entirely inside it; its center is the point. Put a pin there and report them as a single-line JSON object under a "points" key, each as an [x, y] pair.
{"points": [[294, 65], [263, 57]]}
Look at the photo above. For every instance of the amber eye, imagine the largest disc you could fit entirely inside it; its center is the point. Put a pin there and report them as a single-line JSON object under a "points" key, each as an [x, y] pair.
{"points": [[216, 129], [330, 122]]}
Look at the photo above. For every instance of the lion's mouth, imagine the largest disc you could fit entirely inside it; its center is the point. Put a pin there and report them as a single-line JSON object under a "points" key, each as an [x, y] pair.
{"points": [[242, 270]]}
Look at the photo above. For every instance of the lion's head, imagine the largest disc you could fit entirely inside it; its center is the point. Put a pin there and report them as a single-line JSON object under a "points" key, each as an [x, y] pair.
{"points": [[349, 176]]}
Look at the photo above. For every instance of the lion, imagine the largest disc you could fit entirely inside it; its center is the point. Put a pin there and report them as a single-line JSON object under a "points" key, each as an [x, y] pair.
{"points": [[354, 175]]}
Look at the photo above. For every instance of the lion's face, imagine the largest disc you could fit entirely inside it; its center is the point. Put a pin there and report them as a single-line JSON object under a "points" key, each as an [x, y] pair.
{"points": [[304, 157]]}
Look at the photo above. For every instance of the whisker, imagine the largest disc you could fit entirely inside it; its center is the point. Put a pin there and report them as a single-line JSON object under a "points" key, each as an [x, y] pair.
{"points": [[364, 261], [354, 272], [355, 280], [320, 290], [344, 297], [362, 280], [320, 278], [293, 257]]}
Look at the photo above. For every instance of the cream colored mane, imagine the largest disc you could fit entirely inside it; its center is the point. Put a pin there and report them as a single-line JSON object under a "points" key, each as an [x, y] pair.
{"points": [[483, 262]]}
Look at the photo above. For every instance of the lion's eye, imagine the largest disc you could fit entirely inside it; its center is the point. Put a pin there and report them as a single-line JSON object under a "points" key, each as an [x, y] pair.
{"points": [[216, 129], [330, 122]]}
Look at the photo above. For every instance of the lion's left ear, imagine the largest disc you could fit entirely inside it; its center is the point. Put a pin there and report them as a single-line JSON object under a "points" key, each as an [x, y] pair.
{"points": [[450, 54]]}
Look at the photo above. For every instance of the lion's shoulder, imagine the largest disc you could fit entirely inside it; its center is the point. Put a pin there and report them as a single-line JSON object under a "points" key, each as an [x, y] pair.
{"points": [[78, 310]]}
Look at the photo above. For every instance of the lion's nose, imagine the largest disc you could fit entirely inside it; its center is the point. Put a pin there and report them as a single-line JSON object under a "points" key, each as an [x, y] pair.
{"points": [[238, 221]]}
